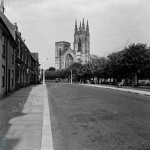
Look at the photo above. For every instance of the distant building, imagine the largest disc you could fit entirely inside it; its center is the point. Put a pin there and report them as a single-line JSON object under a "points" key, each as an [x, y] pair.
{"points": [[7, 57], [36, 67], [65, 56], [27, 63]]}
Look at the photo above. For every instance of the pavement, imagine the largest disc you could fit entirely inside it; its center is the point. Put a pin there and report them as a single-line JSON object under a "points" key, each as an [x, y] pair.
{"points": [[121, 88], [25, 120]]}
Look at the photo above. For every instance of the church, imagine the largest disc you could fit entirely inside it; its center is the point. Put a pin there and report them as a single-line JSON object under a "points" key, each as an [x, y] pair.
{"points": [[65, 56]]}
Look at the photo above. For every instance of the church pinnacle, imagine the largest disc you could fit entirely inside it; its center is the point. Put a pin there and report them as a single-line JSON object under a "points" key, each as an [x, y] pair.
{"points": [[87, 28], [80, 27], [83, 26], [76, 27]]}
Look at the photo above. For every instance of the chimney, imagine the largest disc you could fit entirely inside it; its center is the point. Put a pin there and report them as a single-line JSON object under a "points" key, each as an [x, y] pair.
{"points": [[2, 9], [16, 27]]}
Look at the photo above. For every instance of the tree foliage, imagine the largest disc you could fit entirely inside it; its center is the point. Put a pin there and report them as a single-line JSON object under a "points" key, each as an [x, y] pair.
{"points": [[133, 59]]}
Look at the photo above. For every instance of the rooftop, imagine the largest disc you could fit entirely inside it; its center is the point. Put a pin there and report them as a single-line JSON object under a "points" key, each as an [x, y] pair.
{"points": [[9, 25]]}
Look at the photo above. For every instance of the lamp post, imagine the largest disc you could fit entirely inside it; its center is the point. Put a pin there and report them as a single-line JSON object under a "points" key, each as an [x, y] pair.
{"points": [[43, 77], [71, 76], [44, 71]]}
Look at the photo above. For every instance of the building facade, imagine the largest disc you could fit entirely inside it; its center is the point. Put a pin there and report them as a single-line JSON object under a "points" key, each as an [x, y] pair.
{"points": [[18, 66], [7, 59], [36, 67], [65, 56], [27, 65]]}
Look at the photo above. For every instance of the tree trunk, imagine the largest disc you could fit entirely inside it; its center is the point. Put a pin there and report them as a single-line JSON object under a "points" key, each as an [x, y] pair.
{"points": [[135, 79], [97, 80], [114, 82], [100, 80], [110, 80]]}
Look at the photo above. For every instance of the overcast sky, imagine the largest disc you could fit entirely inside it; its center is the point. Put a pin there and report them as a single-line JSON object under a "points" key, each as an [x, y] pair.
{"points": [[113, 23]]}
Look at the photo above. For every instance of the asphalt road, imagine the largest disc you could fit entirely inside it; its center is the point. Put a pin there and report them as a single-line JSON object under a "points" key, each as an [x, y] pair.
{"points": [[88, 118]]}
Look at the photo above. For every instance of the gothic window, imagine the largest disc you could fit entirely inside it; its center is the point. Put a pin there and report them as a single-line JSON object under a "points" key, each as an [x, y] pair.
{"points": [[79, 45], [79, 60], [59, 51], [69, 61]]}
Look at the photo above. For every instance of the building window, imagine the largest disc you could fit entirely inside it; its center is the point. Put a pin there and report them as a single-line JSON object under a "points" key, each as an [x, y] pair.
{"points": [[79, 45], [12, 78], [22, 52], [18, 48], [25, 56], [13, 55], [3, 44], [0, 34], [17, 74], [3, 76]]}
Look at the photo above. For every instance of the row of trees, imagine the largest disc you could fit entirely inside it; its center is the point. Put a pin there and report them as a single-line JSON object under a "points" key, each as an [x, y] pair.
{"points": [[131, 63]]}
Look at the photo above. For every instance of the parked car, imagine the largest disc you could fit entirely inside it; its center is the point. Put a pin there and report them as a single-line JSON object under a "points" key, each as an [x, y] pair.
{"points": [[57, 80]]}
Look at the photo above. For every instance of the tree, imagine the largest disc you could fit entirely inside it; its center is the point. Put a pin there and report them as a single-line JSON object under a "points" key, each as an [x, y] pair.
{"points": [[51, 69], [101, 70], [115, 65], [135, 57], [75, 67]]}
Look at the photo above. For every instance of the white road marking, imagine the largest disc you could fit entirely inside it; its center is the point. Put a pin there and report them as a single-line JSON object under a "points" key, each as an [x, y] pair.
{"points": [[47, 141]]}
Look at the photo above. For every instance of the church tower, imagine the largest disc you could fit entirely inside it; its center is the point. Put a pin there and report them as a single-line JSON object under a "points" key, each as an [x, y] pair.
{"points": [[82, 43]]}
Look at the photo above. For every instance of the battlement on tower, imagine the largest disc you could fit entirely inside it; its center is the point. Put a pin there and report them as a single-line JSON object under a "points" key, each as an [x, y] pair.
{"points": [[81, 29]]}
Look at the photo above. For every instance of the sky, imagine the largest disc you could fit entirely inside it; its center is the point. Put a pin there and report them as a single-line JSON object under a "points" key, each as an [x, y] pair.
{"points": [[113, 24]]}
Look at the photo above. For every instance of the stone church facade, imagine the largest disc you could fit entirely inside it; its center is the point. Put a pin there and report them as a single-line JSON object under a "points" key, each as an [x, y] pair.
{"points": [[65, 56]]}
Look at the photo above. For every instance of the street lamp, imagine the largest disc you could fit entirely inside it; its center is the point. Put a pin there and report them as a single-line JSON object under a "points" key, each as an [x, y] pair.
{"points": [[71, 76], [44, 71], [43, 77]]}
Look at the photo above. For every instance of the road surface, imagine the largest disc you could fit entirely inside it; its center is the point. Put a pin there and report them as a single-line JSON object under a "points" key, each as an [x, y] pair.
{"points": [[88, 118]]}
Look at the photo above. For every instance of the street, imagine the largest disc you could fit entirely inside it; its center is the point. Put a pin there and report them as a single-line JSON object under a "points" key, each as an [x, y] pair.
{"points": [[89, 118], [74, 75]]}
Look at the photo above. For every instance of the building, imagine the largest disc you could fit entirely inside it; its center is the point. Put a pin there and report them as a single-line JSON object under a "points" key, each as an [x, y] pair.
{"points": [[7, 57], [18, 66], [82, 43], [27, 63], [62, 51], [65, 56], [36, 68]]}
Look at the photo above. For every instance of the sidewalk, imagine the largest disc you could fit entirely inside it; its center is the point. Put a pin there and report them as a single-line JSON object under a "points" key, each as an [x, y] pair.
{"points": [[125, 89], [22, 120]]}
